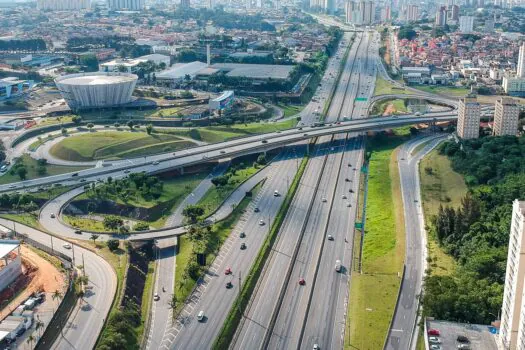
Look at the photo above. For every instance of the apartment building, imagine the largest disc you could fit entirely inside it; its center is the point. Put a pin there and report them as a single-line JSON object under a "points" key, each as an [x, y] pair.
{"points": [[466, 24], [469, 113], [512, 309], [506, 117]]}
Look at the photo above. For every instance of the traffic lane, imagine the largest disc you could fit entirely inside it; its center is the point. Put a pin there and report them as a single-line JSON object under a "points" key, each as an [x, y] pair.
{"points": [[216, 306], [263, 302], [292, 311], [322, 319], [85, 324]]}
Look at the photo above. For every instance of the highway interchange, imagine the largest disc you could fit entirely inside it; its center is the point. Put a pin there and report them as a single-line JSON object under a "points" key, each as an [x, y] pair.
{"points": [[282, 314]]}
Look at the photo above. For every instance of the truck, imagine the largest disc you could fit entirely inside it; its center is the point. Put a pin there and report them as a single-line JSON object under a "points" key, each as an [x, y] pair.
{"points": [[12, 327]]}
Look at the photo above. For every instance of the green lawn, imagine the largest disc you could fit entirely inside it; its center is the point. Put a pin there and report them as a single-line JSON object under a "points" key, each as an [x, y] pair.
{"points": [[55, 120], [216, 195], [290, 110], [28, 219], [397, 104], [444, 90], [31, 166], [113, 144], [221, 231], [441, 186], [373, 293], [384, 87]]}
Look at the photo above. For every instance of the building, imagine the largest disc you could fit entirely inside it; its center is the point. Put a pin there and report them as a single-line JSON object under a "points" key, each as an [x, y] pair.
{"points": [[96, 90], [223, 101], [441, 16], [489, 25], [521, 62], [386, 14], [466, 24], [469, 113], [63, 5], [134, 5], [130, 65], [14, 87], [180, 71], [453, 12], [506, 117], [496, 74], [185, 4], [10, 262], [512, 318], [412, 13], [514, 86]]}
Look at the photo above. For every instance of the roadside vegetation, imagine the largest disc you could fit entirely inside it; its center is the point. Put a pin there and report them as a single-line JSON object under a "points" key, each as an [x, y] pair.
{"points": [[388, 107], [444, 90], [373, 293], [475, 232], [27, 168], [384, 87]]}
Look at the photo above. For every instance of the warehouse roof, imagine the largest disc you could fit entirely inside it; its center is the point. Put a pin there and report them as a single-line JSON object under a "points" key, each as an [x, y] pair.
{"points": [[255, 71], [7, 246]]}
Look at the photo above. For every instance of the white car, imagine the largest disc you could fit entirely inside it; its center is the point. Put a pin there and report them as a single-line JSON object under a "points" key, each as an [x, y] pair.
{"points": [[261, 222], [200, 316], [434, 340], [344, 196], [323, 200], [66, 246], [156, 297]]}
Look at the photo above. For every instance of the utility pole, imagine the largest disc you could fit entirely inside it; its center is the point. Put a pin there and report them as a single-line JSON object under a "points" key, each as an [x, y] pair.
{"points": [[240, 300]]}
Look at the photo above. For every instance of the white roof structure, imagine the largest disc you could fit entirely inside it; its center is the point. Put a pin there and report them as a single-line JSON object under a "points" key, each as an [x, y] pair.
{"points": [[97, 79], [7, 246], [180, 70]]}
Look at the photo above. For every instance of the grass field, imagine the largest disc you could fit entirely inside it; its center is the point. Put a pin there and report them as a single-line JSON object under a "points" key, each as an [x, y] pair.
{"points": [[216, 195], [443, 186], [114, 144], [221, 230], [384, 87], [290, 110], [398, 106], [31, 166], [444, 90], [373, 293], [55, 120]]}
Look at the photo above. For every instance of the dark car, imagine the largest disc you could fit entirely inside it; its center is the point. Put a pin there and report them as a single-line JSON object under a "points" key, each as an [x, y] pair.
{"points": [[242, 234], [75, 174], [243, 246], [463, 339], [20, 331], [78, 232], [264, 141]]}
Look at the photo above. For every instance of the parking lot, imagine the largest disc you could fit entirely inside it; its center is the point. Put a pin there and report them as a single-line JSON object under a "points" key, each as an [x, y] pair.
{"points": [[479, 336]]}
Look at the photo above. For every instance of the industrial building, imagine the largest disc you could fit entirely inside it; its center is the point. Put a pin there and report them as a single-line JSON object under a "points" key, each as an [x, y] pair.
{"points": [[131, 64], [96, 90], [223, 101], [10, 262], [14, 87], [506, 117], [469, 114]]}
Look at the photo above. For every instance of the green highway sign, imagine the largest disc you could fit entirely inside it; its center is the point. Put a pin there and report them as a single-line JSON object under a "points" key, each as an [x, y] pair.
{"points": [[361, 99], [359, 225]]}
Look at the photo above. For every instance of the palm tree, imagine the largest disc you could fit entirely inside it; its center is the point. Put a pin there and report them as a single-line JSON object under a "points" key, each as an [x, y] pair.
{"points": [[94, 238], [80, 294], [56, 295], [30, 340], [39, 326]]}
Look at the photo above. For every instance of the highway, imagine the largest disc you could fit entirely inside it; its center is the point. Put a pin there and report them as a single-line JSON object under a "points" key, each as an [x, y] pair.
{"points": [[85, 323], [403, 328]]}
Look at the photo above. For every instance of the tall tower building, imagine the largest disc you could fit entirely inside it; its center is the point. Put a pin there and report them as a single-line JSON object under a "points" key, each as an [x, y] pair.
{"points": [[506, 117], [63, 5], [521, 62], [441, 16], [185, 4], [466, 24], [330, 6], [412, 13], [469, 113], [133, 5], [512, 307]]}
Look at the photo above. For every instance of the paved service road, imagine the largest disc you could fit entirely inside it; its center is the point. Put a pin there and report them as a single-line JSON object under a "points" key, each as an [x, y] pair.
{"points": [[401, 334], [85, 323]]}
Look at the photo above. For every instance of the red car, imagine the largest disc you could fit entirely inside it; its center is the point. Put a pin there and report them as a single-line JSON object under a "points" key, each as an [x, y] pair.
{"points": [[228, 271], [302, 282], [433, 332]]}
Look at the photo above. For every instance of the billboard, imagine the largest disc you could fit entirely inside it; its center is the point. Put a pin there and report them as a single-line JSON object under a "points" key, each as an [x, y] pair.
{"points": [[223, 101]]}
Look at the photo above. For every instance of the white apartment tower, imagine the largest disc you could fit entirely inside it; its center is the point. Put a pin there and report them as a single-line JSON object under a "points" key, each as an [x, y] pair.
{"points": [[63, 5], [512, 317], [126, 4], [521, 62], [469, 113], [466, 24], [506, 117]]}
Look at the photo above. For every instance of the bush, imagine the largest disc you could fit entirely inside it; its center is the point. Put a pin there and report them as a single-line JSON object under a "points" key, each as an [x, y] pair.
{"points": [[141, 226], [112, 244], [112, 222]]}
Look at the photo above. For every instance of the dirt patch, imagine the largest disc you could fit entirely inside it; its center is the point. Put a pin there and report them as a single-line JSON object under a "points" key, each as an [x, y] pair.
{"points": [[40, 275], [390, 109]]}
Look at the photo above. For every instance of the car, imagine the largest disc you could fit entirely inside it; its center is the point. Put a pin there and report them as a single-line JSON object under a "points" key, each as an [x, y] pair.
{"points": [[74, 175], [78, 232], [316, 347], [261, 222], [223, 151], [338, 266], [229, 285], [52, 216], [156, 162], [330, 237], [200, 316], [433, 331], [276, 193], [66, 246], [12, 186], [156, 297], [463, 339], [243, 246], [464, 346], [323, 200], [256, 210], [299, 128], [305, 134], [344, 196], [348, 204], [349, 164], [351, 190], [174, 154], [264, 141], [347, 180], [20, 331], [126, 171], [435, 347], [434, 340], [242, 234], [302, 282], [82, 180]]}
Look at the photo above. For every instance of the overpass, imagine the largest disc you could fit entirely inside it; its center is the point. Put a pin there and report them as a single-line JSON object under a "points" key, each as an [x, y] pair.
{"points": [[228, 149]]}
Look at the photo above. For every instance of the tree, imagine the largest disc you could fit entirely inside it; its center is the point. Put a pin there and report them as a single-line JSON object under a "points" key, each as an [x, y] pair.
{"points": [[76, 119], [122, 69], [112, 222], [173, 306], [220, 181], [21, 171], [149, 129], [94, 237], [41, 170], [64, 131], [112, 244], [90, 62], [192, 212], [30, 340], [130, 125], [90, 126]]}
